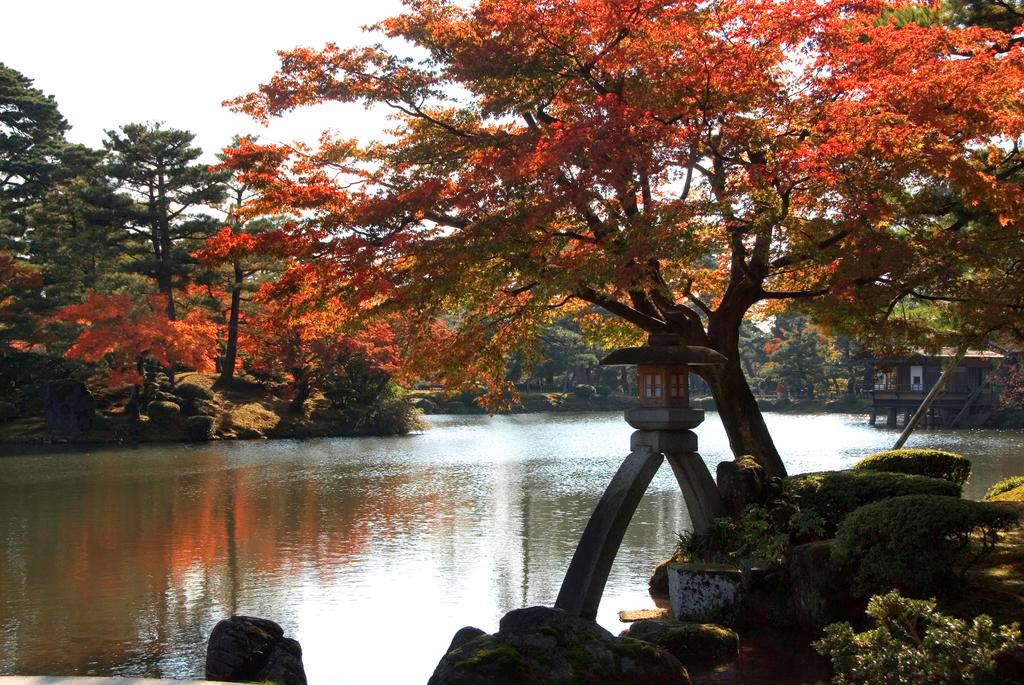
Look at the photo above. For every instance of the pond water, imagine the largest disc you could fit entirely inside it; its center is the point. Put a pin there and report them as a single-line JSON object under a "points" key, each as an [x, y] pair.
{"points": [[371, 552]]}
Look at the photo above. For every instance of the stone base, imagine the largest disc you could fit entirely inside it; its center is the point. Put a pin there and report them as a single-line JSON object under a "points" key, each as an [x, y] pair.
{"points": [[705, 593]]}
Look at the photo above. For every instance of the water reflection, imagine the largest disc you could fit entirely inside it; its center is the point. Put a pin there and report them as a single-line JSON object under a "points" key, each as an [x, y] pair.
{"points": [[120, 561]]}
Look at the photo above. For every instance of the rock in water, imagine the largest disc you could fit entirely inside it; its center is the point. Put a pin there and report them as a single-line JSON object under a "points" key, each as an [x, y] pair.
{"points": [[692, 643], [247, 649], [68, 406], [544, 646]]}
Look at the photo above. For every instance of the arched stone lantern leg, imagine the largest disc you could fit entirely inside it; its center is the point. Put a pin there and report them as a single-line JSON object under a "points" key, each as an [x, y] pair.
{"points": [[663, 419]]}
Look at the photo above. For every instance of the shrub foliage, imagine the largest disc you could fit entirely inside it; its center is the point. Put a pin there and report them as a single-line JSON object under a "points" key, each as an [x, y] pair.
{"points": [[913, 643], [922, 462], [834, 494], [917, 543]]}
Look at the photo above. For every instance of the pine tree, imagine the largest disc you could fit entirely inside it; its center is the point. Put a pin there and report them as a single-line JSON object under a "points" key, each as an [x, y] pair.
{"points": [[159, 167]]}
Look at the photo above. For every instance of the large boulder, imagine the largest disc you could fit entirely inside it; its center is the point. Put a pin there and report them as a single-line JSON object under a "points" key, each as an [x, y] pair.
{"points": [[545, 646], [248, 649], [819, 587], [68, 407], [741, 482], [694, 644]]}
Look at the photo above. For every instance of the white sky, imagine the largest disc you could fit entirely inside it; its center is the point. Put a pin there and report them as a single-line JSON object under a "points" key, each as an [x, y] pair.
{"points": [[113, 62]]}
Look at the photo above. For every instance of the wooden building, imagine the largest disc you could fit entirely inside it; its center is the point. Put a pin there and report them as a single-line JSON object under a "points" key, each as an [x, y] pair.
{"points": [[968, 399]]}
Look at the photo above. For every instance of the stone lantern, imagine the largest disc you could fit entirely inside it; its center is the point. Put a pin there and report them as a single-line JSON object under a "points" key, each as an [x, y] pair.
{"points": [[662, 419]]}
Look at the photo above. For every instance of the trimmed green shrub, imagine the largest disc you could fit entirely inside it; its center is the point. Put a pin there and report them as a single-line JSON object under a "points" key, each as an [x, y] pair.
{"points": [[914, 643], [604, 391], [1005, 485], [163, 411], [917, 543], [190, 392], [199, 428], [834, 494], [933, 463]]}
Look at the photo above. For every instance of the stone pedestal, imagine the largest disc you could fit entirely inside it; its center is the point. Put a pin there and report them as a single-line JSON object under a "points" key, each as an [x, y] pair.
{"points": [[705, 593]]}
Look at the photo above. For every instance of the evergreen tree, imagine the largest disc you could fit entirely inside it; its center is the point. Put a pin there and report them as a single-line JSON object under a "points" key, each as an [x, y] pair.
{"points": [[31, 135], [160, 169], [76, 231], [796, 355]]}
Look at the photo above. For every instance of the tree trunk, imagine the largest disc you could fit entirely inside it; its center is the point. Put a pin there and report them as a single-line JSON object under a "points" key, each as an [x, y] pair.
{"points": [[737, 407], [740, 415], [227, 371], [301, 395]]}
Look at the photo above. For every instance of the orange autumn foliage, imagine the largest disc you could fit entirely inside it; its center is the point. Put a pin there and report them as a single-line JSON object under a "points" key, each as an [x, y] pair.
{"points": [[122, 333], [681, 165]]}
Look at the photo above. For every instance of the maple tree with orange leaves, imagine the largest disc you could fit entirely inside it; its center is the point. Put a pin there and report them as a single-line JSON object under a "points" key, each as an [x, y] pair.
{"points": [[294, 333], [678, 164], [124, 333], [243, 254]]}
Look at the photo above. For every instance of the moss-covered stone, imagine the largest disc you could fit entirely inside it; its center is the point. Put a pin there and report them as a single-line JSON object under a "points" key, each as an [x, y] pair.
{"points": [[691, 643], [199, 428], [741, 482], [544, 646]]}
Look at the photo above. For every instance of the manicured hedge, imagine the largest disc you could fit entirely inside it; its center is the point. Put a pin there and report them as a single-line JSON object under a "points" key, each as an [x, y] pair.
{"points": [[163, 411], [921, 462], [192, 392], [917, 543], [1005, 485], [834, 494]]}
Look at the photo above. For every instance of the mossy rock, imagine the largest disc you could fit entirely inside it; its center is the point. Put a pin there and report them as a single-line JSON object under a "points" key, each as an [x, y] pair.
{"points": [[200, 428], [691, 643], [544, 646], [741, 482], [160, 411], [920, 462], [833, 495]]}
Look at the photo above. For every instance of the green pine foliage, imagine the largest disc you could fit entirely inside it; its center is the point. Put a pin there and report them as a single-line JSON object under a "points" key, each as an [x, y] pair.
{"points": [[913, 643]]}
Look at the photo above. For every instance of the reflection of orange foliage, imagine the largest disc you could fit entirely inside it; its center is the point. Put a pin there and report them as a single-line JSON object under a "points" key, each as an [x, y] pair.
{"points": [[188, 522], [120, 553]]}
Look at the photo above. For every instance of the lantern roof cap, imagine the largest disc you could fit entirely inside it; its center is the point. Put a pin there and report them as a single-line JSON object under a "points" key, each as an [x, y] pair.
{"points": [[664, 349]]}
